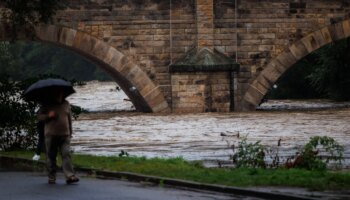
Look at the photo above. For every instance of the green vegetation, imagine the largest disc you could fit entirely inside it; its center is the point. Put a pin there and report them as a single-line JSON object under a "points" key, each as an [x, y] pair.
{"points": [[181, 169], [17, 117], [315, 155], [23, 60], [322, 74], [29, 13], [249, 154], [17, 121], [310, 158]]}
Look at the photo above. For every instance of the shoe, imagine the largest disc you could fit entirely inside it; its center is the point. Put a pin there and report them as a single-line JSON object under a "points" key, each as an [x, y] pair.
{"points": [[72, 179]]}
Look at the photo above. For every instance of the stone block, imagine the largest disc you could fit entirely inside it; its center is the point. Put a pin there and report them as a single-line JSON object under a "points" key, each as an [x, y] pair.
{"points": [[271, 74], [113, 56], [287, 60], [127, 68], [336, 31], [100, 50], [263, 81], [47, 33], [253, 96], [298, 50], [146, 89], [161, 107], [66, 36], [326, 34], [346, 28], [154, 100], [119, 61], [84, 42]]}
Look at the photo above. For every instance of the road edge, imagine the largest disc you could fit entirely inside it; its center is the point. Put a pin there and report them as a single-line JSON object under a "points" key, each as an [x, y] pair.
{"points": [[22, 164]]}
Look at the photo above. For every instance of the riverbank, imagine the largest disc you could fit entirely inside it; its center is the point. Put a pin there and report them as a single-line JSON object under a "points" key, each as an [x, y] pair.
{"points": [[178, 168]]}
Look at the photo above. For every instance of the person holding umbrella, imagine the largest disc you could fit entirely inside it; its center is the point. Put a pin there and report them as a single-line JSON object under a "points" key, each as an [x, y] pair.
{"points": [[56, 114]]}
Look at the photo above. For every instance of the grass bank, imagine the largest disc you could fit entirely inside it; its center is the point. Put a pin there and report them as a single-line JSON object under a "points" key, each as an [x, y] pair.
{"points": [[194, 171]]}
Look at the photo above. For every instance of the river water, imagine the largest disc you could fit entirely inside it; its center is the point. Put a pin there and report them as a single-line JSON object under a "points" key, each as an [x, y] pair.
{"points": [[205, 136]]}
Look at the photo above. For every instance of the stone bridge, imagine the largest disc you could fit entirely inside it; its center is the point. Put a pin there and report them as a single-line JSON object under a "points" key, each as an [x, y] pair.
{"points": [[195, 55]]}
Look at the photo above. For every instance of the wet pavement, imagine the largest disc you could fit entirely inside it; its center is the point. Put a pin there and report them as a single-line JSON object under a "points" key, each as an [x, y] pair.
{"points": [[33, 186]]}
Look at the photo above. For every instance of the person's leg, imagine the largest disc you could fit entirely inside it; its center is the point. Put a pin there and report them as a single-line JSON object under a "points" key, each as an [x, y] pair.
{"points": [[51, 144], [66, 158], [41, 139]]}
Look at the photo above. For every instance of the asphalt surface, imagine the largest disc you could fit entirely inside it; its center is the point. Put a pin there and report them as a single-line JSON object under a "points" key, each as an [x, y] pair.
{"points": [[33, 185]]}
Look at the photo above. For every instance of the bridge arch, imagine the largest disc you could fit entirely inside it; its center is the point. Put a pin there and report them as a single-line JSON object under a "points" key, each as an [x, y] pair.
{"points": [[291, 55], [145, 95]]}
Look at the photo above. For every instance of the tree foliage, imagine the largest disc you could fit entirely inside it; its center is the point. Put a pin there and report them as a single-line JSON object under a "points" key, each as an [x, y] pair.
{"points": [[22, 60], [24, 13], [18, 117], [17, 121], [322, 74], [331, 74]]}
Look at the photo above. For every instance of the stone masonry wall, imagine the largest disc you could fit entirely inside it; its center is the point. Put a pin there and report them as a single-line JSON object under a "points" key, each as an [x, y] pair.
{"points": [[141, 29], [201, 92], [266, 28], [155, 33]]}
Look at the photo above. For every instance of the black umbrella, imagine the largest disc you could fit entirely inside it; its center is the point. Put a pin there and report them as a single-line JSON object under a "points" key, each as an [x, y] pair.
{"points": [[47, 89]]}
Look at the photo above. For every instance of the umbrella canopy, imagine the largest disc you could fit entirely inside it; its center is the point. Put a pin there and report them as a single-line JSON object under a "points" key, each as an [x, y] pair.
{"points": [[47, 89]]}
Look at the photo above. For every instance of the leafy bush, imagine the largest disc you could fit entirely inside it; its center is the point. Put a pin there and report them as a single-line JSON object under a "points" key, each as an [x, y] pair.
{"points": [[311, 158], [249, 154], [17, 120], [18, 117], [315, 155]]}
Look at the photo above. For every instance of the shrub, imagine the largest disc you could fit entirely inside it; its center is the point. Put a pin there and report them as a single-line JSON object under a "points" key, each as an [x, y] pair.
{"points": [[315, 155], [311, 157], [249, 154], [18, 117], [17, 120]]}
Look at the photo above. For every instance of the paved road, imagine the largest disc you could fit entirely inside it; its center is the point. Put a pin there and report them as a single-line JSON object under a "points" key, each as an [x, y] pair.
{"points": [[33, 186]]}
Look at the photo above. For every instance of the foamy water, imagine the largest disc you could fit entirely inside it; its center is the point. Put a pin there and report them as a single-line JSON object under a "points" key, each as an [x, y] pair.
{"points": [[100, 97], [205, 136]]}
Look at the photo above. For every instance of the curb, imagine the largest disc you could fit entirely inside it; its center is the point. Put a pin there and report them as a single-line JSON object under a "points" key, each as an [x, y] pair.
{"points": [[30, 165]]}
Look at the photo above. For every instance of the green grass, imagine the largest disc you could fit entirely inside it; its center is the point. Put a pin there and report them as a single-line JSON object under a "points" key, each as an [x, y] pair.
{"points": [[181, 169]]}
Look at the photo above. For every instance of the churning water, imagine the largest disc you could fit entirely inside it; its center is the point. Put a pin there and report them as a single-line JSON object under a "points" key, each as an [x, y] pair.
{"points": [[204, 136]]}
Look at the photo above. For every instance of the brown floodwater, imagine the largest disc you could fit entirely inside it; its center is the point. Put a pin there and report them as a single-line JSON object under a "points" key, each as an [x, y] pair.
{"points": [[207, 136]]}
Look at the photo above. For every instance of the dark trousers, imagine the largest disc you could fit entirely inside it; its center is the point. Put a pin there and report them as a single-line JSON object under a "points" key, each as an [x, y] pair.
{"points": [[55, 144], [40, 126]]}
